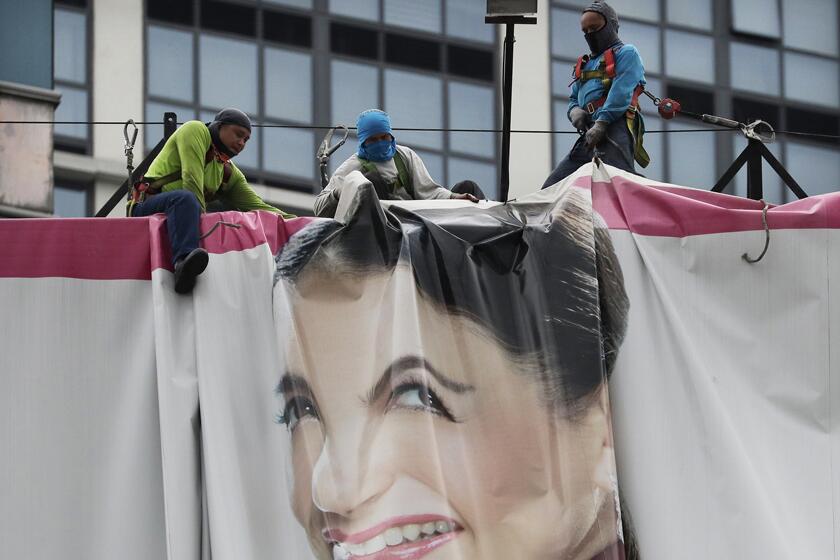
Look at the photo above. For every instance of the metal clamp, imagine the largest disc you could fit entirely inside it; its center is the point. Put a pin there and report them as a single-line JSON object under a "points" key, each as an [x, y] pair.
{"points": [[129, 145], [750, 132]]}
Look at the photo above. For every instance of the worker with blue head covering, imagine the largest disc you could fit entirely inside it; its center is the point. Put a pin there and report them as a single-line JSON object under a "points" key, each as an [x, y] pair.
{"points": [[396, 172], [603, 101]]}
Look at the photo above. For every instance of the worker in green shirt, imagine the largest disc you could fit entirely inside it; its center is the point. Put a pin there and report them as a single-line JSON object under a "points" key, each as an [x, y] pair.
{"points": [[192, 169]]}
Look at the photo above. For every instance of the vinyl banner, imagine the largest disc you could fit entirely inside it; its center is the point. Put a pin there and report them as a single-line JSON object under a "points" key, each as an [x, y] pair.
{"points": [[591, 372]]}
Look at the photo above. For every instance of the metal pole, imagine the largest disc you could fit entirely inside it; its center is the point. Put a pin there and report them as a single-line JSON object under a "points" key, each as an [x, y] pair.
{"points": [[755, 187], [507, 96]]}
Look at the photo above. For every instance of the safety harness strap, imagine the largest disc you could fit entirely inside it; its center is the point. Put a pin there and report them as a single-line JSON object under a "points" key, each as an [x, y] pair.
{"points": [[370, 171]]}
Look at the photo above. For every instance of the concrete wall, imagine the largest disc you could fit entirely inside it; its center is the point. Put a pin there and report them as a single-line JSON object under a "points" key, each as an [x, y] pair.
{"points": [[26, 166]]}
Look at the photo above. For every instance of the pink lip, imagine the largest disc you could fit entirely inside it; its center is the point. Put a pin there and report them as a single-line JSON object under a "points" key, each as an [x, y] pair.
{"points": [[411, 550], [337, 535]]}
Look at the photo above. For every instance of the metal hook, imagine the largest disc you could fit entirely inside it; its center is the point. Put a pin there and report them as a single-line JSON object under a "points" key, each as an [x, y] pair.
{"points": [[129, 144], [749, 131], [745, 256]]}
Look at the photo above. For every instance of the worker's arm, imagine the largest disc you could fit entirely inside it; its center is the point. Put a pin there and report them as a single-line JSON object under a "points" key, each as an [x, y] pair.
{"points": [[424, 186], [192, 142], [629, 74], [242, 197], [327, 200], [573, 99]]}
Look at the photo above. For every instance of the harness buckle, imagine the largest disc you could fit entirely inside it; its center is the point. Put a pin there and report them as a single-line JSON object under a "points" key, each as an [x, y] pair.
{"points": [[590, 108]]}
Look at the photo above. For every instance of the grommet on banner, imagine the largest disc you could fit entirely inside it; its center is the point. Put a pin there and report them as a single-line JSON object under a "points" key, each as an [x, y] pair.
{"points": [[745, 256], [216, 225]]}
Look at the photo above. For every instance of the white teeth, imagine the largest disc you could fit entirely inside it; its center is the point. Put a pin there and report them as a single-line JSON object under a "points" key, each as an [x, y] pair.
{"points": [[393, 536], [411, 532], [375, 544]]}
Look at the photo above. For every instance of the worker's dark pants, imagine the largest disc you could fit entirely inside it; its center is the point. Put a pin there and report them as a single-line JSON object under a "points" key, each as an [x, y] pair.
{"points": [[618, 155], [469, 187], [182, 214]]}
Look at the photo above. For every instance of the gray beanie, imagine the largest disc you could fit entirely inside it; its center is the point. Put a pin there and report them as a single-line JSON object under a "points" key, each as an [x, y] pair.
{"points": [[232, 116], [605, 10]]}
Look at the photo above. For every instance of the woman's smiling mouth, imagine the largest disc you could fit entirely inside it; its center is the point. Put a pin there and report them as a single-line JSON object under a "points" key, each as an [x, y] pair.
{"points": [[404, 538]]}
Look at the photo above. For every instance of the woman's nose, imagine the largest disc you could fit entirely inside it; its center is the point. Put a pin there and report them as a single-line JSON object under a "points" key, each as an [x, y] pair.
{"points": [[347, 474]]}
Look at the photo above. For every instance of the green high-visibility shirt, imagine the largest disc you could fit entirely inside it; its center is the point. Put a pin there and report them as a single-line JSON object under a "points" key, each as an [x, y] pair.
{"points": [[185, 150]]}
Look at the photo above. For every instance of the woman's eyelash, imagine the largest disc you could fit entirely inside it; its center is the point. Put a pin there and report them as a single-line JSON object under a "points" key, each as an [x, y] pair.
{"points": [[427, 396]]}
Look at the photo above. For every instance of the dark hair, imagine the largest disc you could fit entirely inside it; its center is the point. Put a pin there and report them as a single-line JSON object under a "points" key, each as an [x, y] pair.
{"points": [[544, 282], [548, 288]]}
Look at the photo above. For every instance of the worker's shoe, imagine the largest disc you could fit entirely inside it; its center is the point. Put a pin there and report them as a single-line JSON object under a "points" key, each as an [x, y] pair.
{"points": [[188, 268]]}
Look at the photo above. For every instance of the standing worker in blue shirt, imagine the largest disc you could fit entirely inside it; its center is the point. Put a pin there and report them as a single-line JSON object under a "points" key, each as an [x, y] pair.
{"points": [[603, 104]]}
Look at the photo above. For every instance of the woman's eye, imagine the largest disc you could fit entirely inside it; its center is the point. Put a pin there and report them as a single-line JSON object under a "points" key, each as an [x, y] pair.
{"points": [[297, 408], [417, 396]]}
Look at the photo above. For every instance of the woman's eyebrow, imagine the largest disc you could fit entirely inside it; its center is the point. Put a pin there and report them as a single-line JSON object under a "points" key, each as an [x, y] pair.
{"points": [[290, 383], [406, 363]]}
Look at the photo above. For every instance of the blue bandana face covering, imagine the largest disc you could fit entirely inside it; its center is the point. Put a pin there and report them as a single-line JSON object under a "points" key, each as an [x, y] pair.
{"points": [[373, 123], [378, 151]]}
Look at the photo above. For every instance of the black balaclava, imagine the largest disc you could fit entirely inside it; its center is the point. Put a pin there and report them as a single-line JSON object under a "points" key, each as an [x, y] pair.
{"points": [[607, 36], [227, 116]]}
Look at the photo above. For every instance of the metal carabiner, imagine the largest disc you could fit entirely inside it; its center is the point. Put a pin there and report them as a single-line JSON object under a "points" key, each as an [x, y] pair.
{"points": [[129, 144]]}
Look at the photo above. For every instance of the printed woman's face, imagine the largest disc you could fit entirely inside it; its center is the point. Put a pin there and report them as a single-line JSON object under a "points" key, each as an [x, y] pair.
{"points": [[415, 436]]}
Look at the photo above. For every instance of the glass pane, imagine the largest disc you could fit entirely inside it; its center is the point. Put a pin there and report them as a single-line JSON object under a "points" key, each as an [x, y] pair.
{"points": [[70, 203], [73, 107], [70, 52], [654, 86], [434, 165], [170, 62], [754, 68], [689, 56], [471, 107], [249, 157], [340, 156], [654, 145], [417, 14], [773, 192], [465, 18], [562, 142], [758, 17], [817, 170], [293, 3], [355, 88], [484, 174], [691, 13], [153, 133], [691, 157], [646, 40], [288, 85], [811, 79], [415, 101], [289, 151], [362, 9], [639, 9], [566, 38], [224, 63], [811, 25]]}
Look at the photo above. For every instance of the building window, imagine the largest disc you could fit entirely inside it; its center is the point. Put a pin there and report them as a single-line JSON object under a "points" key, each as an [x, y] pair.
{"points": [[72, 200], [812, 79], [756, 17], [754, 68], [412, 59], [71, 74], [811, 25]]}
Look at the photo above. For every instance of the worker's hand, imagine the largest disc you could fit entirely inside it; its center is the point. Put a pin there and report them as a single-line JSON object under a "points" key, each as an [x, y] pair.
{"points": [[579, 118], [596, 134], [465, 196]]}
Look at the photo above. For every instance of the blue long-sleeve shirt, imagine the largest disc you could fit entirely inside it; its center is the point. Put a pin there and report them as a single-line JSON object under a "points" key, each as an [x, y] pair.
{"points": [[629, 73]]}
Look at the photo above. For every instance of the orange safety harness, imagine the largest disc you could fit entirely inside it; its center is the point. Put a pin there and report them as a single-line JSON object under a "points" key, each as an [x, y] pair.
{"points": [[606, 73]]}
